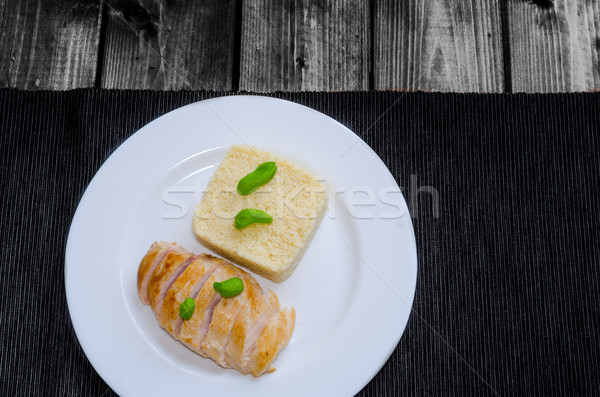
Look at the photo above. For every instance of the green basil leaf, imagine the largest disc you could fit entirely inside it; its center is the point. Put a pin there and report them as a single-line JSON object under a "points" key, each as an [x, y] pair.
{"points": [[260, 176], [229, 288], [249, 216], [186, 309]]}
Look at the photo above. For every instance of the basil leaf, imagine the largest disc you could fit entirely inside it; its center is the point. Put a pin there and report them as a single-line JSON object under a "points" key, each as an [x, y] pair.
{"points": [[260, 176], [229, 288], [249, 216], [186, 309]]}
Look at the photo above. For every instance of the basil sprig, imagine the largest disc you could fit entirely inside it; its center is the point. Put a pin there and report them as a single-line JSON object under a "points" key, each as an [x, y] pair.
{"points": [[229, 288], [248, 216], [186, 309], [260, 176]]}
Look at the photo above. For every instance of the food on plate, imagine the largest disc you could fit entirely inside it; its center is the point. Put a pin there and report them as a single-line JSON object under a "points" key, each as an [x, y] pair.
{"points": [[260, 176], [294, 199], [248, 216], [188, 292], [229, 288], [187, 308]]}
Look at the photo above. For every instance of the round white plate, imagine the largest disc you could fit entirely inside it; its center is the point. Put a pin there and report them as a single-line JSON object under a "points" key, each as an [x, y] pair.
{"points": [[353, 289]]}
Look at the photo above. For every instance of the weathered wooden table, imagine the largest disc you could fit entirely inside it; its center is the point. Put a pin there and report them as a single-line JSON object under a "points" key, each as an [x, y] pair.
{"points": [[293, 45]]}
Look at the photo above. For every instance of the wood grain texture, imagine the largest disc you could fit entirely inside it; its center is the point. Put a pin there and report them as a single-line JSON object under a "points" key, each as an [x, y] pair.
{"points": [[554, 45], [47, 44], [305, 45], [169, 45], [438, 45]]}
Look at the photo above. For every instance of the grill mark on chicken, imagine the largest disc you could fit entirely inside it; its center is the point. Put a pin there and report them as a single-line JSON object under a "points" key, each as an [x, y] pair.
{"points": [[247, 329], [193, 330], [224, 317], [169, 283], [155, 255], [169, 264], [226, 272], [184, 287], [258, 329], [218, 354], [225, 357], [207, 320], [278, 328]]}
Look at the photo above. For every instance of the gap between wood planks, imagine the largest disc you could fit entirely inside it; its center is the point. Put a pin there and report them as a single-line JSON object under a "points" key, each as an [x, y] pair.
{"points": [[506, 47], [101, 43]]}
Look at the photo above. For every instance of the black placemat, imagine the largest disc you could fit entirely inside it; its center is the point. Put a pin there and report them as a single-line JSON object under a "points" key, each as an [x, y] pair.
{"points": [[503, 191]]}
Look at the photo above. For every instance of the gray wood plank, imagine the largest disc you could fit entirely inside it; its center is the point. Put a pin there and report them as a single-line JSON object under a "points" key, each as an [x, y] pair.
{"points": [[438, 45], [554, 45], [169, 45], [49, 45], [294, 45]]}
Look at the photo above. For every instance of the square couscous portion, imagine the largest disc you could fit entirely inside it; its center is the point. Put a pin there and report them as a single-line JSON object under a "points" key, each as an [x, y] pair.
{"points": [[295, 199]]}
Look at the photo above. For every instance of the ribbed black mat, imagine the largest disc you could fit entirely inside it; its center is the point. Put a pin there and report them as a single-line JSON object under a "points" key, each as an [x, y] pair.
{"points": [[503, 192]]}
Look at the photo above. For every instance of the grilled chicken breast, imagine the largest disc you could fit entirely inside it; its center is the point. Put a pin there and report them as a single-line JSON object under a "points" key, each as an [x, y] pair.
{"points": [[245, 332]]}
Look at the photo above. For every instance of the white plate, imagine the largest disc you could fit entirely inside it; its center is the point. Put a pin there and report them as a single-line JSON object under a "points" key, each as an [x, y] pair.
{"points": [[352, 291]]}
